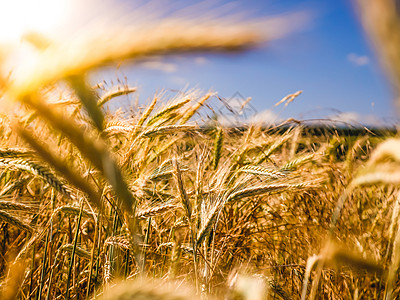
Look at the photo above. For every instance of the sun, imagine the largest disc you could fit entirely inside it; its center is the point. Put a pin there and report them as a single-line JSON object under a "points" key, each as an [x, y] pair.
{"points": [[21, 16]]}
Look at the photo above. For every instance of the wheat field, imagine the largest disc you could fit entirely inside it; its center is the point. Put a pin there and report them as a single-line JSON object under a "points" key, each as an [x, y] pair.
{"points": [[155, 203]]}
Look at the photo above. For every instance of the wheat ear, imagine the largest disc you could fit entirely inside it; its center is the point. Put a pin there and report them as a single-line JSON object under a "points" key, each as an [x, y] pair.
{"points": [[7, 205], [13, 153], [273, 148], [154, 211], [39, 170], [119, 241], [182, 192], [115, 93], [208, 223], [259, 170], [218, 141], [167, 110], [164, 148], [72, 211], [118, 127], [82, 253], [297, 162], [191, 111], [289, 98], [94, 149], [168, 129], [265, 189], [6, 217]]}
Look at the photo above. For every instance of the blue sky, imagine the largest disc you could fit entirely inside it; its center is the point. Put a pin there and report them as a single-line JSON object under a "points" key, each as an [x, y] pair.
{"points": [[329, 59]]}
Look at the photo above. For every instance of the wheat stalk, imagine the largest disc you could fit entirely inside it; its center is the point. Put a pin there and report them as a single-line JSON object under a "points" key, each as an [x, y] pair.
{"points": [[382, 23], [88, 97], [72, 176]]}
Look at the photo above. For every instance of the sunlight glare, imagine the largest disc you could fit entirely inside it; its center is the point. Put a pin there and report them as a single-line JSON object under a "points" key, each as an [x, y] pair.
{"points": [[20, 16]]}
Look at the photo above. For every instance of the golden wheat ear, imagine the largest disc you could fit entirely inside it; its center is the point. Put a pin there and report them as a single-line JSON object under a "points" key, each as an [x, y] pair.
{"points": [[12, 220], [116, 92], [218, 141]]}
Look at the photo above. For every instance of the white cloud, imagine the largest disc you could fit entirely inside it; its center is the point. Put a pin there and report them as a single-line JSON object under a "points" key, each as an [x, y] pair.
{"points": [[178, 80], [201, 60], [159, 65], [346, 117], [228, 121], [358, 60], [265, 117], [353, 118]]}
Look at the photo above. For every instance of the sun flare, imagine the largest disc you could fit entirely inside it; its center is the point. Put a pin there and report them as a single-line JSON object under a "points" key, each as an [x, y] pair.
{"points": [[20, 16]]}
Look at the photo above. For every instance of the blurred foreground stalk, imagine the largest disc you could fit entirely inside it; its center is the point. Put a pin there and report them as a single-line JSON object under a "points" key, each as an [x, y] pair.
{"points": [[381, 20]]}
